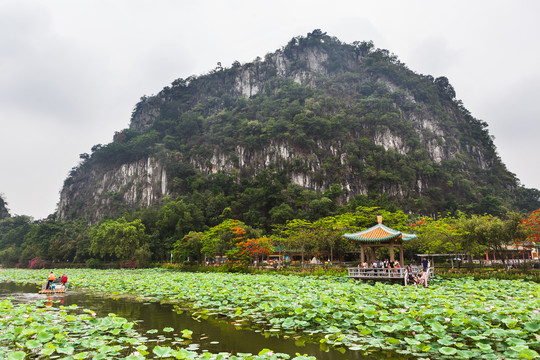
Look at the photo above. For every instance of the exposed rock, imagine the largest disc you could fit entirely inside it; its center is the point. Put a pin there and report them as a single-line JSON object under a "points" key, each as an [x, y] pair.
{"points": [[389, 141], [141, 183]]}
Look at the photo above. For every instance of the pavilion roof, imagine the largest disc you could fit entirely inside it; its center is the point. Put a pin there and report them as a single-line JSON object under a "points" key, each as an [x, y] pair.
{"points": [[379, 232]]}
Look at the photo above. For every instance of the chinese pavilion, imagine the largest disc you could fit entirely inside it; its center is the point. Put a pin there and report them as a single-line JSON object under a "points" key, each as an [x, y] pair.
{"points": [[380, 236]]}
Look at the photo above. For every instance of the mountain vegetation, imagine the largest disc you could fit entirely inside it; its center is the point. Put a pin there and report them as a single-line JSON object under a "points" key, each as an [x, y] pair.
{"points": [[315, 130], [4, 213]]}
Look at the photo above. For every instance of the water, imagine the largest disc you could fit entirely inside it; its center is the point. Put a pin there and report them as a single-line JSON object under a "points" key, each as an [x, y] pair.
{"points": [[212, 334]]}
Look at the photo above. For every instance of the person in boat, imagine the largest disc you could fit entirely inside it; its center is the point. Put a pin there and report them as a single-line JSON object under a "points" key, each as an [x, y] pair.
{"points": [[50, 280], [64, 280]]}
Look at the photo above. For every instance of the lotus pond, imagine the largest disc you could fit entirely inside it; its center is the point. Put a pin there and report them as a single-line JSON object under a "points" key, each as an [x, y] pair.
{"points": [[459, 318]]}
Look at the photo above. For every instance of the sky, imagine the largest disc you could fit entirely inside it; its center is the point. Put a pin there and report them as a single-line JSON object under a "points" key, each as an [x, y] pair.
{"points": [[71, 72]]}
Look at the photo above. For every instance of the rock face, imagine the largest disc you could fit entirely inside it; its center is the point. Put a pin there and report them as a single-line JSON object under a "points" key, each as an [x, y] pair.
{"points": [[101, 192], [392, 115]]}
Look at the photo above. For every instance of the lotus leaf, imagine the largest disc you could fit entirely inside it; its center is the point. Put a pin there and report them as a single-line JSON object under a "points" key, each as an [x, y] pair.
{"points": [[32, 344], [16, 355], [448, 350], [68, 350], [532, 326], [529, 354]]}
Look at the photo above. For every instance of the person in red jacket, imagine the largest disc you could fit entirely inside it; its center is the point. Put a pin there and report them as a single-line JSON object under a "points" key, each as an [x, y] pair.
{"points": [[64, 280]]}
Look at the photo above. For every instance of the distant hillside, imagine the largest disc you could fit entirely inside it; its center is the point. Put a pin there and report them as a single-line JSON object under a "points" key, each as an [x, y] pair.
{"points": [[315, 125], [3, 208]]}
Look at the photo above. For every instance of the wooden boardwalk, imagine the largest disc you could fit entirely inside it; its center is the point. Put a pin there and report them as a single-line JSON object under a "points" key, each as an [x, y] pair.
{"points": [[382, 274]]}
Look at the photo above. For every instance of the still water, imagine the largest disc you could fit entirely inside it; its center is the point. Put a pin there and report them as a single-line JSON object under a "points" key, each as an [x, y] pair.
{"points": [[214, 335]]}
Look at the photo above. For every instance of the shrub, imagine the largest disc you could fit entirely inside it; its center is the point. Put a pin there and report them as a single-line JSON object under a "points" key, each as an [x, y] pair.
{"points": [[37, 263], [93, 263]]}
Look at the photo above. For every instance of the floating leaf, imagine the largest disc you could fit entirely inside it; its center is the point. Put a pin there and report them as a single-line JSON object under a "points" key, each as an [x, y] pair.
{"points": [[16, 355], [529, 354], [32, 344], [448, 350], [186, 334], [68, 350], [162, 351], [532, 326], [483, 347], [44, 336], [81, 355]]}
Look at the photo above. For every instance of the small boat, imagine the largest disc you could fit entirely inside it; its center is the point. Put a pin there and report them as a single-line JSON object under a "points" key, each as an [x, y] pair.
{"points": [[56, 288]]}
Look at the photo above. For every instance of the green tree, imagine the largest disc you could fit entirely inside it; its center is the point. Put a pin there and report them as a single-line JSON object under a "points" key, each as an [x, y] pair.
{"points": [[493, 233], [224, 237], [117, 239], [443, 235], [189, 247], [298, 235]]}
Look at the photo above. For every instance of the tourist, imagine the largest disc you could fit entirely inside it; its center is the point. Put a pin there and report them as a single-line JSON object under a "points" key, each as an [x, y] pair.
{"points": [[425, 264], [423, 279], [50, 280]]}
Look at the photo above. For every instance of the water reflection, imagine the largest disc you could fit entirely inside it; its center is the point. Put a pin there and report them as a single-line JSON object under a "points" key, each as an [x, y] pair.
{"points": [[214, 335]]}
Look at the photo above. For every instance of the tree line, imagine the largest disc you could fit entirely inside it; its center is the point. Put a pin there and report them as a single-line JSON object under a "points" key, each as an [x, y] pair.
{"points": [[175, 232]]}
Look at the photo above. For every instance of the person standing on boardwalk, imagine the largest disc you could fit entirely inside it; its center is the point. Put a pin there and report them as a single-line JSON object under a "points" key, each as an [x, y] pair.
{"points": [[425, 263]]}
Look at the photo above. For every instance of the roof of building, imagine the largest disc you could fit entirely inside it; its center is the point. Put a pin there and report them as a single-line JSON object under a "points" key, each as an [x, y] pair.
{"points": [[379, 232]]}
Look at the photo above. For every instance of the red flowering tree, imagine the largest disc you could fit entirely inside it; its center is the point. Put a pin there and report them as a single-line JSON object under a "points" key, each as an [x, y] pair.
{"points": [[223, 237], [531, 227], [252, 249]]}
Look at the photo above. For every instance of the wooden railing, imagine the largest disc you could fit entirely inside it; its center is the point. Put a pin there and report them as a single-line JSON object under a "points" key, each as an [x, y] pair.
{"points": [[387, 274]]}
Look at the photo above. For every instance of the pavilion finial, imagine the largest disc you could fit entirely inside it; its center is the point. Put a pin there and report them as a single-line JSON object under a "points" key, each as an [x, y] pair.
{"points": [[379, 219]]}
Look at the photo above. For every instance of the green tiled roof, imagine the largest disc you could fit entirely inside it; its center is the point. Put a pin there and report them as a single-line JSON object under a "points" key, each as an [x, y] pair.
{"points": [[379, 232]]}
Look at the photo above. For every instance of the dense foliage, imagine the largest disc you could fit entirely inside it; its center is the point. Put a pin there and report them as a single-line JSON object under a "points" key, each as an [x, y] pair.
{"points": [[178, 233], [331, 120], [4, 213], [455, 319]]}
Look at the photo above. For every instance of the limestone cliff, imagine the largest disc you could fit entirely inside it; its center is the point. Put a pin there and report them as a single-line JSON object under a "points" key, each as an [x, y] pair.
{"points": [[101, 192]]}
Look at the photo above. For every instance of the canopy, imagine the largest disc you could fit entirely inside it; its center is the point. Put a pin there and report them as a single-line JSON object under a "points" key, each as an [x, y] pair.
{"points": [[379, 232]]}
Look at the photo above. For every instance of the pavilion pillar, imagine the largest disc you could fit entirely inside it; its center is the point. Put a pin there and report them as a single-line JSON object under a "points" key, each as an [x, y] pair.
{"points": [[391, 248], [401, 256], [362, 254]]}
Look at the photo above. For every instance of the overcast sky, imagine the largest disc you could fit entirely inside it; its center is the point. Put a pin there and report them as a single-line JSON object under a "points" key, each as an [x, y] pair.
{"points": [[71, 71]]}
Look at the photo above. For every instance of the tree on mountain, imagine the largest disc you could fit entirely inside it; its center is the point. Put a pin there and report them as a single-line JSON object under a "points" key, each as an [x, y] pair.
{"points": [[3, 208]]}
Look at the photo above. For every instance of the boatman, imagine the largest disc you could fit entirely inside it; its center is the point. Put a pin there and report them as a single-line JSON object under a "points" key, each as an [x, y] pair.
{"points": [[50, 280]]}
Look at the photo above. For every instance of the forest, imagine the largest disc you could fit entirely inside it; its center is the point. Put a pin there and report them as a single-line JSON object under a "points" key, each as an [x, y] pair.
{"points": [[178, 233]]}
